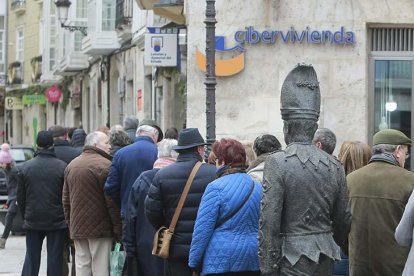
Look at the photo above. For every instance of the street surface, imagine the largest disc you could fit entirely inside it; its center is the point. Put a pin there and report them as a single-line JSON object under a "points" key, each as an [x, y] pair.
{"points": [[12, 258]]}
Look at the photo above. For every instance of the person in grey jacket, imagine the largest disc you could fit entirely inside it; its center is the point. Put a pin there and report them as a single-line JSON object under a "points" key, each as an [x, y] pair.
{"points": [[404, 235], [263, 146]]}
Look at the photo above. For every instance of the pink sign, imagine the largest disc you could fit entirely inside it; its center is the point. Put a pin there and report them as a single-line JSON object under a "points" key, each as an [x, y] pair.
{"points": [[53, 94]]}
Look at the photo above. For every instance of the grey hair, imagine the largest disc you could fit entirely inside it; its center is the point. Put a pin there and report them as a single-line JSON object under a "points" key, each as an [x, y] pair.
{"points": [[94, 138], [116, 127], [131, 122], [118, 137], [146, 129], [383, 148], [327, 139], [165, 148]]}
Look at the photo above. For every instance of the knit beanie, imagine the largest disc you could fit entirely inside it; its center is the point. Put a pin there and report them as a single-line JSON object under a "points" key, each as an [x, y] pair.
{"points": [[5, 156], [44, 139]]}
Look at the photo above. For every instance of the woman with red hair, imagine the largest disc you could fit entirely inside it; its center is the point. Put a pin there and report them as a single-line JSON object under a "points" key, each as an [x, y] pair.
{"points": [[225, 234]]}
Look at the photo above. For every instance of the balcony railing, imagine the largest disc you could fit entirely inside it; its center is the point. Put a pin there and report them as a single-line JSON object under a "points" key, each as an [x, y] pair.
{"points": [[18, 6], [123, 13]]}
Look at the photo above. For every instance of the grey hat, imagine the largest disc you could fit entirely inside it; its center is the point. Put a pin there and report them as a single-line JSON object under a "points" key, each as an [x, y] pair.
{"points": [[300, 97]]}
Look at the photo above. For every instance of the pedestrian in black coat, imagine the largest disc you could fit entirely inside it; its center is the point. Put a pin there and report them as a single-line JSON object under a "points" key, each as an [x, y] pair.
{"points": [[39, 197], [166, 190]]}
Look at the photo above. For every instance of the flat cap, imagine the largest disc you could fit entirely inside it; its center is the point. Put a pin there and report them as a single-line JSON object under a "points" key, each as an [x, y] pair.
{"points": [[58, 131], [391, 137]]}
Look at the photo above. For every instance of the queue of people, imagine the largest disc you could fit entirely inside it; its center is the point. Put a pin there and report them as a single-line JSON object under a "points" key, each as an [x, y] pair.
{"points": [[293, 211]]}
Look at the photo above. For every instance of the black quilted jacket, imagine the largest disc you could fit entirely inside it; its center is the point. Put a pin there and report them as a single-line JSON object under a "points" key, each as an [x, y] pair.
{"points": [[164, 194], [39, 192]]}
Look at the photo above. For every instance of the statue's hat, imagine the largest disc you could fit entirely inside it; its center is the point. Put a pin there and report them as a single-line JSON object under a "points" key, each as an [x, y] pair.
{"points": [[300, 97]]}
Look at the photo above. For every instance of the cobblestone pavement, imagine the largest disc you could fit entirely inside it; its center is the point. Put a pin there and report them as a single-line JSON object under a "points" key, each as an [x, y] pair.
{"points": [[12, 258]]}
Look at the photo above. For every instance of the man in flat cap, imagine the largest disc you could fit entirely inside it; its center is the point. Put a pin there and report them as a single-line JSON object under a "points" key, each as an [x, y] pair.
{"points": [[63, 150], [378, 194]]}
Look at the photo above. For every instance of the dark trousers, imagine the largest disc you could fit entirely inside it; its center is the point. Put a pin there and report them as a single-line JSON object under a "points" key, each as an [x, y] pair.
{"points": [[8, 225], [177, 268], [34, 242], [68, 253], [241, 273]]}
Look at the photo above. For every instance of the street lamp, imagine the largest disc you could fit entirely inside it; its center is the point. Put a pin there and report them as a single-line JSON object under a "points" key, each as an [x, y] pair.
{"points": [[210, 81], [62, 13]]}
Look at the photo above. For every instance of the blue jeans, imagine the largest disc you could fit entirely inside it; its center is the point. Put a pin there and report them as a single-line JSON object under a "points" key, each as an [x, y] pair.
{"points": [[34, 242], [342, 267]]}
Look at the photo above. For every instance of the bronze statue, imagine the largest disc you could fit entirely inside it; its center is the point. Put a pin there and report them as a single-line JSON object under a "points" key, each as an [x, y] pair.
{"points": [[304, 215]]}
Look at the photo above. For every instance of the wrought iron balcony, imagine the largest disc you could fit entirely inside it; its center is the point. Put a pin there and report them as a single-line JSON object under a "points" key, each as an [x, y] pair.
{"points": [[18, 6], [123, 13]]}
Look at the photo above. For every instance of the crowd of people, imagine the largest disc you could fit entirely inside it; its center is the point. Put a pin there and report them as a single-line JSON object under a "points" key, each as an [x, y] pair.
{"points": [[272, 211]]}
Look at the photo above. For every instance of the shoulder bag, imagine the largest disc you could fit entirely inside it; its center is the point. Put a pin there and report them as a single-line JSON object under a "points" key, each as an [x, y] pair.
{"points": [[162, 238]]}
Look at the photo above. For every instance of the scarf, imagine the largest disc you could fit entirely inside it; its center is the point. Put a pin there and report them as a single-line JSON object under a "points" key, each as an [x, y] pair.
{"points": [[163, 162], [385, 157], [229, 169]]}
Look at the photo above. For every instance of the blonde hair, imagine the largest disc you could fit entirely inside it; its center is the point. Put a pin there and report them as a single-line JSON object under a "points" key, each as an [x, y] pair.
{"points": [[354, 155], [250, 155]]}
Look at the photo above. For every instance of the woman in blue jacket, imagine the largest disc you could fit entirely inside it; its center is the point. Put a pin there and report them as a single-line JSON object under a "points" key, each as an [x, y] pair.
{"points": [[225, 234]]}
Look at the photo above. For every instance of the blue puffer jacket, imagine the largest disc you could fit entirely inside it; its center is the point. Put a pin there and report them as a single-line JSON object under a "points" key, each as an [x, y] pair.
{"points": [[233, 246]]}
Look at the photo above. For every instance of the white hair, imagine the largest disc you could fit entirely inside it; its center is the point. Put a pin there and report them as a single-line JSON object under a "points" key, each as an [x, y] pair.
{"points": [[115, 128], [165, 148], [146, 130], [94, 138]]}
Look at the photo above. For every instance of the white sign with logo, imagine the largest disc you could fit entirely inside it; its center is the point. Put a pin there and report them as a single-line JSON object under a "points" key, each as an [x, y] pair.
{"points": [[13, 103], [161, 50]]}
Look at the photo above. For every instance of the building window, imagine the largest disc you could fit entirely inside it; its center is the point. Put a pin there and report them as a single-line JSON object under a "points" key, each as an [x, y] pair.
{"points": [[53, 39], [108, 15], [392, 52], [2, 46], [81, 20], [19, 44]]}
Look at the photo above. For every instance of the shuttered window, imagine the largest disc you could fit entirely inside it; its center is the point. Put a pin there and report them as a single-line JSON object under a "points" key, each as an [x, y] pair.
{"points": [[392, 39]]}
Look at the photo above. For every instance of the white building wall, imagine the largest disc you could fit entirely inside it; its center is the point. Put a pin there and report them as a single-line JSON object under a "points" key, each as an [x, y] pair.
{"points": [[248, 104]]}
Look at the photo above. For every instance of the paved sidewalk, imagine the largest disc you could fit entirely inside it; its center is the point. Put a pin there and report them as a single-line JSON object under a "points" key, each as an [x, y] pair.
{"points": [[12, 258]]}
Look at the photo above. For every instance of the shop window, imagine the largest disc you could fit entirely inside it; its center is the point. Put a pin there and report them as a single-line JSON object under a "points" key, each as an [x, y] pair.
{"points": [[392, 52]]}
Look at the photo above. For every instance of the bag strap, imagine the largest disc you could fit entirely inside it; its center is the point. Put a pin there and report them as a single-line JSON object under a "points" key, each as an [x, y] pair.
{"points": [[231, 214], [183, 196]]}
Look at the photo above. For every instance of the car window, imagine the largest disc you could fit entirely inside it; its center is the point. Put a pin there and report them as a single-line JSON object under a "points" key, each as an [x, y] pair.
{"points": [[20, 155]]}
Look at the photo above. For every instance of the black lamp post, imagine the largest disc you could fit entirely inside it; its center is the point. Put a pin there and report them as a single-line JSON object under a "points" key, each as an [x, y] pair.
{"points": [[62, 13], [210, 81]]}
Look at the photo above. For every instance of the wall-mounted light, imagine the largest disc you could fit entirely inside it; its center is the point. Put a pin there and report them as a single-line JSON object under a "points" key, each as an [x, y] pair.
{"points": [[62, 14]]}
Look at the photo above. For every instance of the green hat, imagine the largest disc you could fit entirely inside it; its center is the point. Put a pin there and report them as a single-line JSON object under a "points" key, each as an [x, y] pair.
{"points": [[391, 137], [149, 122]]}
